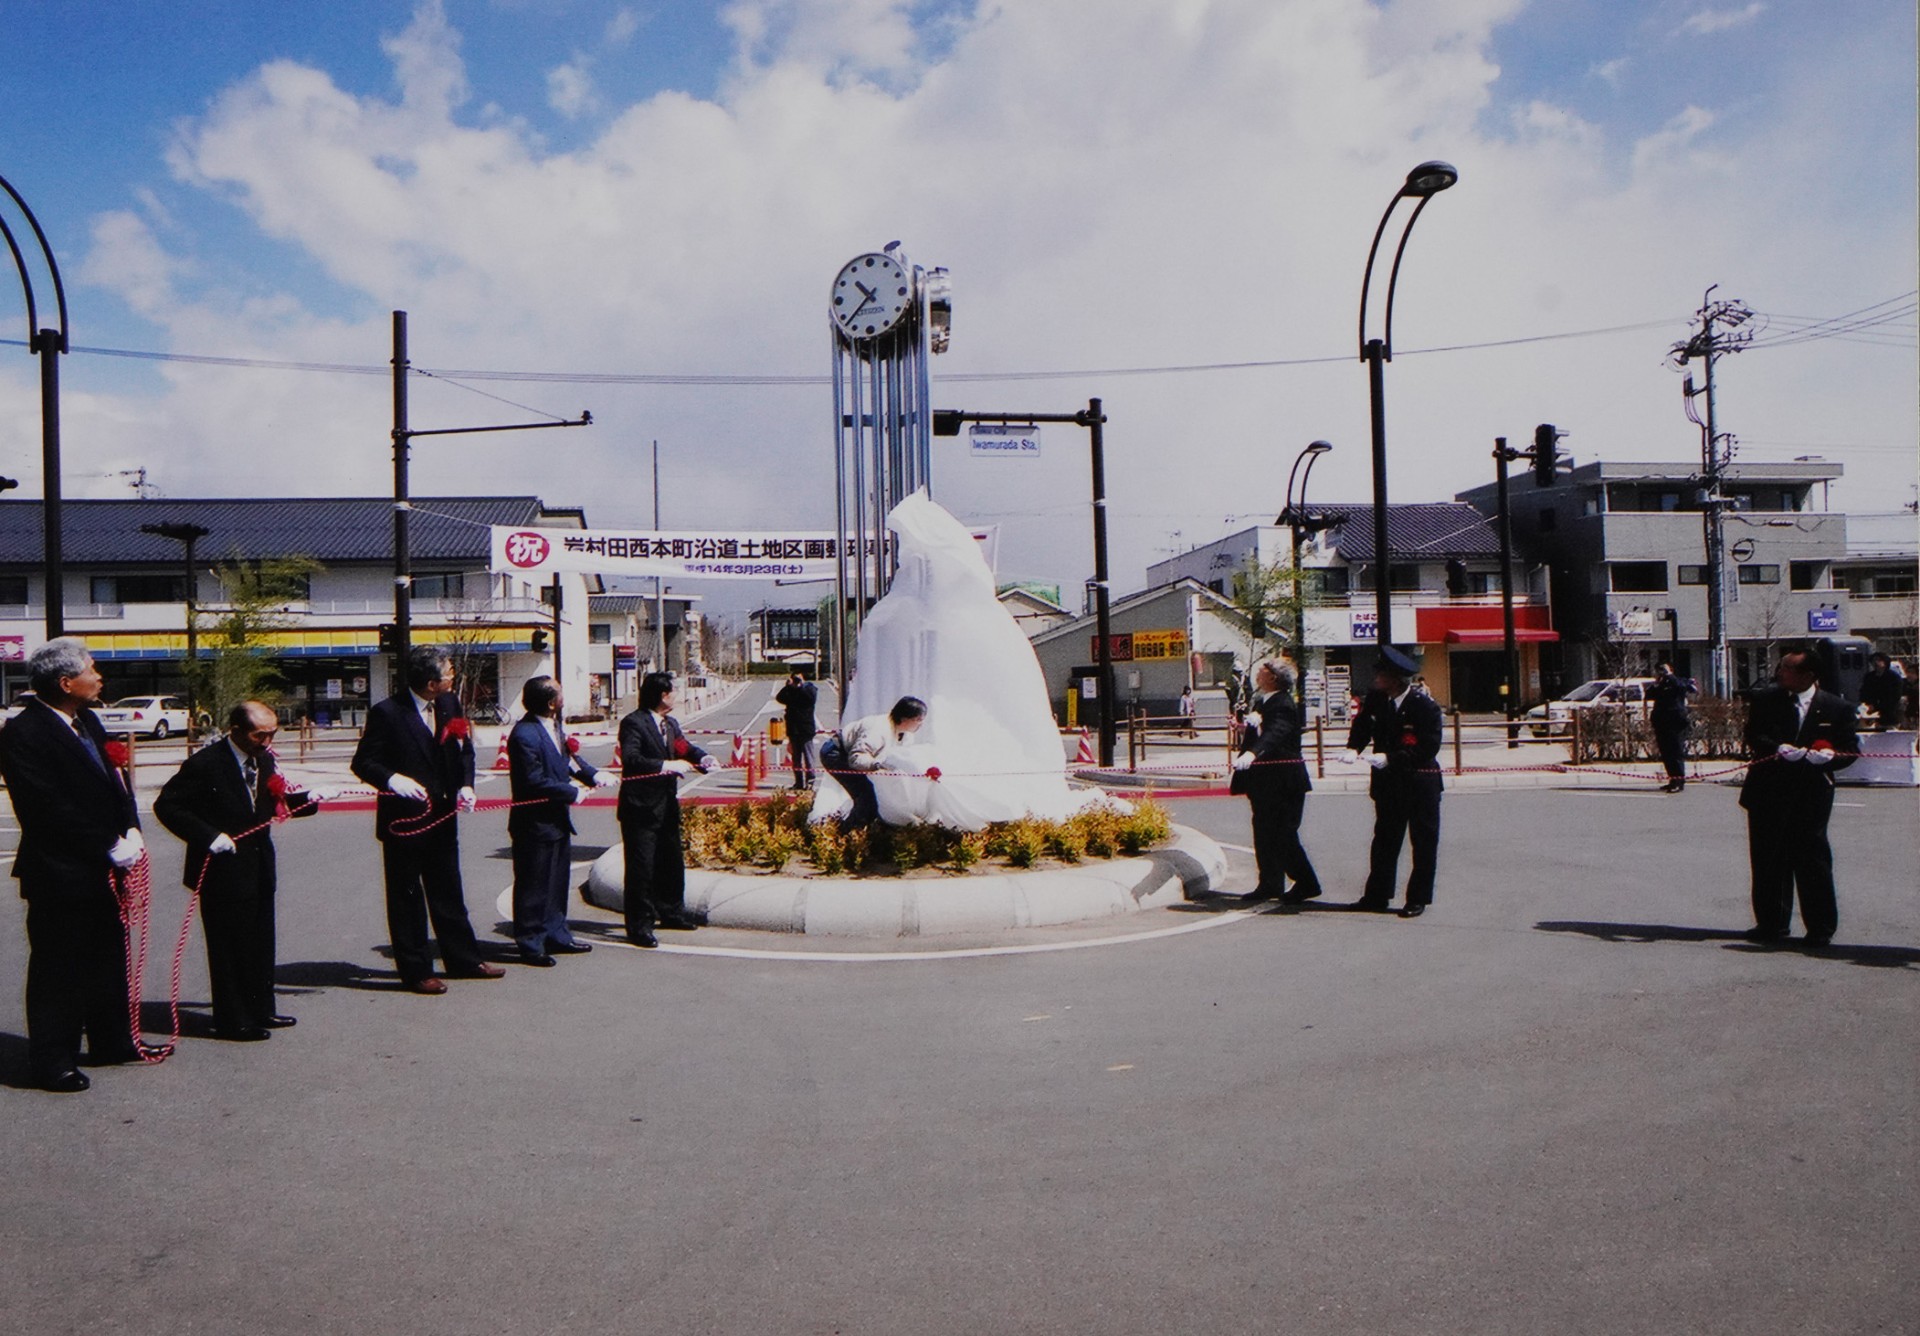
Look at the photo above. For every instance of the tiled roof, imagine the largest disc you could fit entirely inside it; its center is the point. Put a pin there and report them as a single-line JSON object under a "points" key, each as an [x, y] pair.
{"points": [[1418, 531], [329, 529]]}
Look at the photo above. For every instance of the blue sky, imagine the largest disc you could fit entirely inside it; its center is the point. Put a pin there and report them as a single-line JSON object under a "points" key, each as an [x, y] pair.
{"points": [[601, 186]]}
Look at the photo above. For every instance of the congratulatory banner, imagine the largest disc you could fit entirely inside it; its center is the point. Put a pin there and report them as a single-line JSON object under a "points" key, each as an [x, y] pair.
{"points": [[689, 555]]}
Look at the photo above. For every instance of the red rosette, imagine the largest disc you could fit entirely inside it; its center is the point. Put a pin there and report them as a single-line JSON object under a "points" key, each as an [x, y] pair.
{"points": [[1820, 745], [277, 784], [119, 755], [573, 746], [680, 749], [457, 729], [1409, 740], [933, 773]]}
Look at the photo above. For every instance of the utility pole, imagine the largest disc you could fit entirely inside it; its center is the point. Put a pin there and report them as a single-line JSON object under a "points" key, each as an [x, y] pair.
{"points": [[1720, 332], [659, 589]]}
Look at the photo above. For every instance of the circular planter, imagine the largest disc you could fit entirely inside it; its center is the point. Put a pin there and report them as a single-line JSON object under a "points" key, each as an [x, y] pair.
{"points": [[1187, 864]]}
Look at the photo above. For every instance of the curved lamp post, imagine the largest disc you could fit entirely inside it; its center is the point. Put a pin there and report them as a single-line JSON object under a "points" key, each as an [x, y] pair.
{"points": [[47, 344], [1300, 524], [1422, 184]]}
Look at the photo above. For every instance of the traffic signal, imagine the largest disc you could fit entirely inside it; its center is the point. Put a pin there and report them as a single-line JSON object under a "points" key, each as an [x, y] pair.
{"points": [[1546, 454], [946, 421], [389, 638], [540, 642]]}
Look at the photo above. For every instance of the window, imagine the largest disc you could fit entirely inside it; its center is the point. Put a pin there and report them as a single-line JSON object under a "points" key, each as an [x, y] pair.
{"points": [[1691, 575], [1756, 574], [1807, 575], [449, 584], [1404, 579], [1638, 577], [1547, 520], [137, 589], [13, 589], [1330, 581], [600, 633]]}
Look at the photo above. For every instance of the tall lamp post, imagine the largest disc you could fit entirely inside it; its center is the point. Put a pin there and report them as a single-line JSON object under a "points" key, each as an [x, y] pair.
{"points": [[47, 344], [189, 534], [1299, 524], [1422, 184]]}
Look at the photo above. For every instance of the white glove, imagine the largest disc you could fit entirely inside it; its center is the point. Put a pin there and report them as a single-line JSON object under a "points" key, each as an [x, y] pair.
{"points": [[1376, 760], [605, 779], [1815, 756], [322, 795], [126, 850], [575, 793], [706, 764], [222, 844], [465, 800], [1244, 761], [1350, 756], [677, 767], [1789, 752], [405, 786]]}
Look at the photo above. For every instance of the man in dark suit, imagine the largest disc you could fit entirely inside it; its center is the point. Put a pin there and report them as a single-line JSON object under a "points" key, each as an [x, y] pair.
{"points": [[1798, 736], [654, 754], [1270, 772], [418, 751], [79, 834], [222, 802], [1403, 728], [800, 697], [1668, 716], [542, 767]]}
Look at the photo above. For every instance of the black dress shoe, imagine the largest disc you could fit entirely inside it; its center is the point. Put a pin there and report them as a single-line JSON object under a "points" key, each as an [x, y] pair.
{"points": [[480, 969], [1367, 906], [568, 948], [1259, 894], [681, 922], [541, 961], [251, 1034], [1765, 934], [69, 1082], [113, 1057], [643, 938], [278, 1022], [1413, 911], [1296, 896], [1818, 939]]}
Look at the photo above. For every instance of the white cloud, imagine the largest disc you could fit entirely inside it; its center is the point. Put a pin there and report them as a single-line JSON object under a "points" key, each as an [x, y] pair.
{"points": [[1153, 184], [1609, 71], [570, 89], [621, 28], [1709, 21]]}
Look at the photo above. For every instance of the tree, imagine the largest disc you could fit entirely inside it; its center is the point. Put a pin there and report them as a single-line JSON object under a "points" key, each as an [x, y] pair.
{"points": [[234, 635], [1266, 597]]}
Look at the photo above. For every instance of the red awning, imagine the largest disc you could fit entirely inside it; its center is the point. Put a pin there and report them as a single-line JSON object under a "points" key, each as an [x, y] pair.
{"points": [[1522, 635]]}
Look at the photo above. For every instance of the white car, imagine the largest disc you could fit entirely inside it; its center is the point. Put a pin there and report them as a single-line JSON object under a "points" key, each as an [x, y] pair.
{"points": [[1555, 718], [155, 716]]}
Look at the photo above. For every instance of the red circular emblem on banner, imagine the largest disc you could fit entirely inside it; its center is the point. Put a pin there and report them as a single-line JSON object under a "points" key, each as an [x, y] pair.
{"points": [[527, 549]]}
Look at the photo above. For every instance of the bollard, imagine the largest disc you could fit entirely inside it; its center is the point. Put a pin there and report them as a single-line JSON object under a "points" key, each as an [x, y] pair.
{"points": [[1319, 750], [1456, 741]]}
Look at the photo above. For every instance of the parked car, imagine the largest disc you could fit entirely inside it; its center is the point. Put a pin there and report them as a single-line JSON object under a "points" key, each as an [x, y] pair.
{"points": [[155, 716], [19, 704], [1555, 718]]}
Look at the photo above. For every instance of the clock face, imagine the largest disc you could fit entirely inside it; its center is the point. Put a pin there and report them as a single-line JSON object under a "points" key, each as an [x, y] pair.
{"points": [[870, 296]]}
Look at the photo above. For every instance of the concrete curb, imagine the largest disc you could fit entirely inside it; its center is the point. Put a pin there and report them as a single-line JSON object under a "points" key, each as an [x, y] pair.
{"points": [[897, 907]]}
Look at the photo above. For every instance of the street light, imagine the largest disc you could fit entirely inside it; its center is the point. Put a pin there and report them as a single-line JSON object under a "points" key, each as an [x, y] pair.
{"points": [[1422, 184], [188, 534], [1300, 524], [47, 344]]}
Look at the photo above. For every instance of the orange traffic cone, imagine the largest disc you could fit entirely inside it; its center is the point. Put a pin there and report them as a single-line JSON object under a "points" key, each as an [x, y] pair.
{"points": [[500, 757], [1086, 756]]}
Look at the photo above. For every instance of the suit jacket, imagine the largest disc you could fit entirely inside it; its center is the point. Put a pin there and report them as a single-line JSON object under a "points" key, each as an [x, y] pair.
{"points": [[799, 699], [645, 750], [1773, 718], [538, 769], [207, 796], [1277, 739], [1669, 696], [1407, 735], [71, 810], [397, 743]]}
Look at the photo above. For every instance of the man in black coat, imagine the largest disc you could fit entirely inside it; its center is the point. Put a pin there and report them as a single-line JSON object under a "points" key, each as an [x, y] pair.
{"points": [[222, 802], [542, 767], [1798, 736], [79, 834], [1269, 770], [800, 697], [1668, 716], [418, 751], [1403, 728], [654, 754]]}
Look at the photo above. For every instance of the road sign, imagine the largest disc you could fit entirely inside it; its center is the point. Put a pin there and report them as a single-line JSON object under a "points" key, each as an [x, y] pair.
{"points": [[986, 440]]}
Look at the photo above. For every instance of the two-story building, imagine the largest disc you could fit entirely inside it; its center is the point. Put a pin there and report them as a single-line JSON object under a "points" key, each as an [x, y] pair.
{"points": [[1627, 548], [125, 593], [1881, 574]]}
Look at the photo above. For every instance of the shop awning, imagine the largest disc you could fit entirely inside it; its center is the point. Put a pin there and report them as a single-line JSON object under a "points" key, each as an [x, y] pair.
{"points": [[1522, 635]]}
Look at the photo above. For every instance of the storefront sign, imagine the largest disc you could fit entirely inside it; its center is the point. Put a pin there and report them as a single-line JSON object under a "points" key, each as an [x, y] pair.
{"points": [[1823, 619], [1339, 692], [1364, 626], [1149, 645], [13, 649], [1639, 622], [626, 657], [1119, 647]]}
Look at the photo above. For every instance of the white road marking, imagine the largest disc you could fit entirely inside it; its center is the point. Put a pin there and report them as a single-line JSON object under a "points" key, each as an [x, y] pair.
{"points": [[1237, 848]]}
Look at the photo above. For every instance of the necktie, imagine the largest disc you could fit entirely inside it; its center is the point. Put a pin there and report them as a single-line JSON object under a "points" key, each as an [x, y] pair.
{"points": [[252, 772], [92, 750]]}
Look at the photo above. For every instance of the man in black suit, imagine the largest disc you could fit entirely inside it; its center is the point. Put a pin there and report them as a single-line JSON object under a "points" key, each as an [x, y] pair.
{"points": [[1668, 716], [418, 751], [654, 754], [800, 697], [1403, 728], [79, 834], [542, 767], [1798, 736], [1270, 772], [222, 802]]}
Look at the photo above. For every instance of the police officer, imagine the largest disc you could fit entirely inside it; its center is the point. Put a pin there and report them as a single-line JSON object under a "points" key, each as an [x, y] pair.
{"points": [[1402, 726]]}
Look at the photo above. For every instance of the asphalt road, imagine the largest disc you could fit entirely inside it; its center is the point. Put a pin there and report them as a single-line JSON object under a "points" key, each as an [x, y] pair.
{"points": [[1569, 1100]]}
